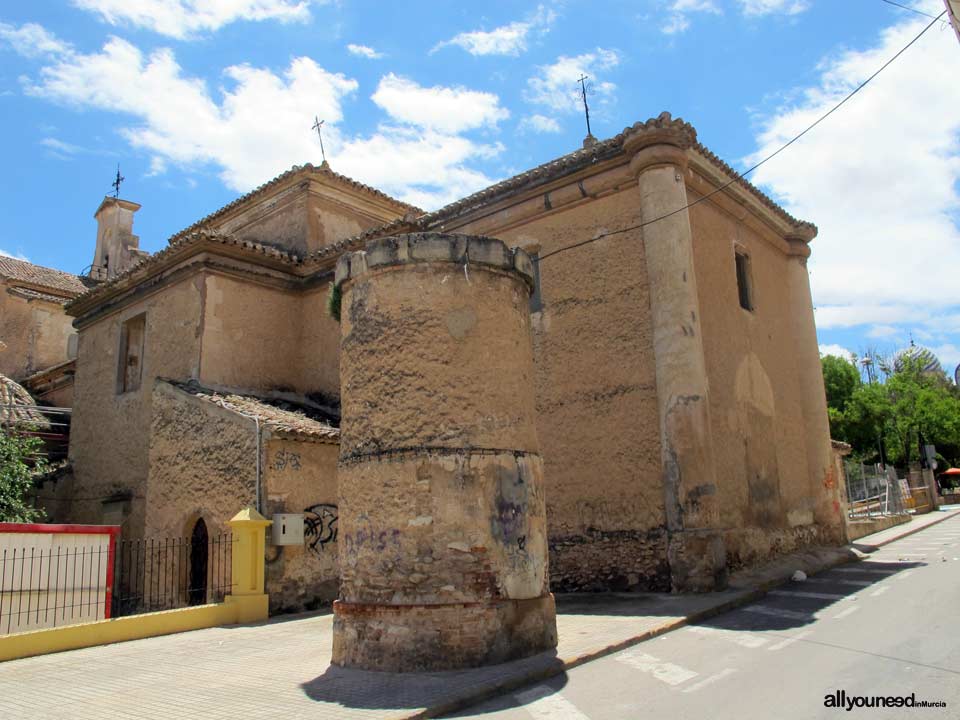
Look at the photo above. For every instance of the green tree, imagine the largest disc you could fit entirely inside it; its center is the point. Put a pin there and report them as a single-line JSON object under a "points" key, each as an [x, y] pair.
{"points": [[840, 379], [923, 405], [20, 462], [865, 421]]}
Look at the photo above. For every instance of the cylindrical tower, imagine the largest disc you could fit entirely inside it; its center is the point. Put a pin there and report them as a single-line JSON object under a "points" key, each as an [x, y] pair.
{"points": [[442, 520]]}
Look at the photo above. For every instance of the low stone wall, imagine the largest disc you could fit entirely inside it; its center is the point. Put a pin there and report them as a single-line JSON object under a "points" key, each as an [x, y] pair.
{"points": [[601, 561], [861, 527], [754, 545]]}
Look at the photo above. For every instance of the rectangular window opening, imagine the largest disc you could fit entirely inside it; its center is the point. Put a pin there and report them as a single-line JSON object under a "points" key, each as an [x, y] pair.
{"points": [[536, 299], [130, 371], [744, 281]]}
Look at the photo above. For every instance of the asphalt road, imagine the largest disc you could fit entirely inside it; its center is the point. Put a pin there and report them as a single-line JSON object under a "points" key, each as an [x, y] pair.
{"points": [[889, 626]]}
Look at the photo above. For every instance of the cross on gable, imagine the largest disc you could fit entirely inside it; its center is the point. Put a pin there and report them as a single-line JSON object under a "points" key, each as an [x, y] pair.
{"points": [[116, 183], [318, 125]]}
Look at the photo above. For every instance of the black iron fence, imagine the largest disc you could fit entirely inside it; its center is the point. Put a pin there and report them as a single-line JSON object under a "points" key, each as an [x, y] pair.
{"points": [[51, 579], [165, 574]]}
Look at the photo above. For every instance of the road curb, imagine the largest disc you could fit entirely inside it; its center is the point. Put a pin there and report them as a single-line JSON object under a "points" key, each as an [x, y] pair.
{"points": [[745, 596], [911, 531], [520, 680]]}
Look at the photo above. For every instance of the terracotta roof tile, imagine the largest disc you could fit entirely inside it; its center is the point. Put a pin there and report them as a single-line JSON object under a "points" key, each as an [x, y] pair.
{"points": [[183, 241], [354, 242], [584, 157], [307, 168], [282, 417], [17, 407], [31, 294], [62, 283]]}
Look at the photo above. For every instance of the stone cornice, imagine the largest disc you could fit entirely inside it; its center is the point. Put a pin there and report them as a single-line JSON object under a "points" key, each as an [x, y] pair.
{"points": [[432, 247], [663, 131], [152, 270], [717, 174], [125, 204], [293, 176]]}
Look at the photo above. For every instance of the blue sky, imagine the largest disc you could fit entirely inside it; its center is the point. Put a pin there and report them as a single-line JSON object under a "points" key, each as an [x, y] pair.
{"points": [[200, 101]]}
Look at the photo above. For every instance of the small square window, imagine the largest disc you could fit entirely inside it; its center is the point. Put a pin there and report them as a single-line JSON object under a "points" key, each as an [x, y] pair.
{"points": [[744, 280], [130, 370]]}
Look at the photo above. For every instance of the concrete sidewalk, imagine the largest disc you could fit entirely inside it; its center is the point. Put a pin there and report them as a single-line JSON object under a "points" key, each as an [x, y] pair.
{"points": [[916, 524], [281, 668]]}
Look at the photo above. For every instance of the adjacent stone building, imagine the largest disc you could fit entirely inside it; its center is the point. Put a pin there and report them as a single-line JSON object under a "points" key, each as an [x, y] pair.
{"points": [[679, 400], [37, 339]]}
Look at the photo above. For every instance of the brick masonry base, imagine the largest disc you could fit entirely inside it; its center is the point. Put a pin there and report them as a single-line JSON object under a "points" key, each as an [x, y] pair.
{"points": [[417, 638]]}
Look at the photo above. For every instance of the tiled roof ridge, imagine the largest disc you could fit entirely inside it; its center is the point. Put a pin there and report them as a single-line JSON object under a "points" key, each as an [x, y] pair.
{"points": [[283, 419], [749, 186], [353, 242], [61, 283], [593, 153], [309, 167], [181, 241], [543, 173]]}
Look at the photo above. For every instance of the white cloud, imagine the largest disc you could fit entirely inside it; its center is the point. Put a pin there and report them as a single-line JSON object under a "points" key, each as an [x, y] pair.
{"points": [[364, 51], [556, 86], [766, 7], [423, 168], [508, 39], [539, 123], [59, 146], [183, 19], [679, 11], [444, 109], [179, 121], [880, 179], [16, 256], [883, 331], [837, 351], [949, 356], [258, 123], [32, 40]]}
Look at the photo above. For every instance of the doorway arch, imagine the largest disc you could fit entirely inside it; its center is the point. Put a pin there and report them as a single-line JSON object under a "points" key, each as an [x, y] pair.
{"points": [[199, 553]]}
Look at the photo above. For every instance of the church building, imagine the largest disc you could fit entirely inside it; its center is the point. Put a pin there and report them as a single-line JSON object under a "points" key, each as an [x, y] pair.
{"points": [[680, 406]]}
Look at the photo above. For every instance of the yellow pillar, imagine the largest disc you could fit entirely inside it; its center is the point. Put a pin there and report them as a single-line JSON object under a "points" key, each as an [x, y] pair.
{"points": [[249, 540]]}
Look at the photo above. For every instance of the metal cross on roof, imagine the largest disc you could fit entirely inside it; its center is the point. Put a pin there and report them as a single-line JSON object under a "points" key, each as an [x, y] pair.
{"points": [[583, 93], [116, 183], [318, 125]]}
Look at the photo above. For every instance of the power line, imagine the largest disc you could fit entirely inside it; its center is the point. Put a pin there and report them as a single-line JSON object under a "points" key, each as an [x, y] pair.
{"points": [[907, 7], [769, 157]]}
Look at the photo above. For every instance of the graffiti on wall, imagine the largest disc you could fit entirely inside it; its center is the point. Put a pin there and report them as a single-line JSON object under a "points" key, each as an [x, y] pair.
{"points": [[284, 458], [320, 526]]}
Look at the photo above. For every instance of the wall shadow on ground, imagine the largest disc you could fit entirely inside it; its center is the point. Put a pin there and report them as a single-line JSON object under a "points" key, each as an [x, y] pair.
{"points": [[363, 689], [802, 607]]}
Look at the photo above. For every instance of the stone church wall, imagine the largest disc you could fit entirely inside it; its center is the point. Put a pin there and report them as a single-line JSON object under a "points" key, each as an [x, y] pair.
{"points": [[109, 438], [203, 465], [33, 334], [595, 391], [767, 497], [301, 477], [250, 334]]}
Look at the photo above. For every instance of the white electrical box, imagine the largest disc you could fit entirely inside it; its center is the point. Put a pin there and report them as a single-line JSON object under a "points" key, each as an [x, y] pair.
{"points": [[287, 529]]}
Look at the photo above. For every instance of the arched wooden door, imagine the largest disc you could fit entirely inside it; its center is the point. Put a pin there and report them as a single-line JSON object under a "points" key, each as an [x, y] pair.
{"points": [[197, 593]]}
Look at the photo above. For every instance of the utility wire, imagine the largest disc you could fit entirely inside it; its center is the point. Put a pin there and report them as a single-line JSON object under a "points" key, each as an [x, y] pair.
{"points": [[913, 10], [769, 157]]}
